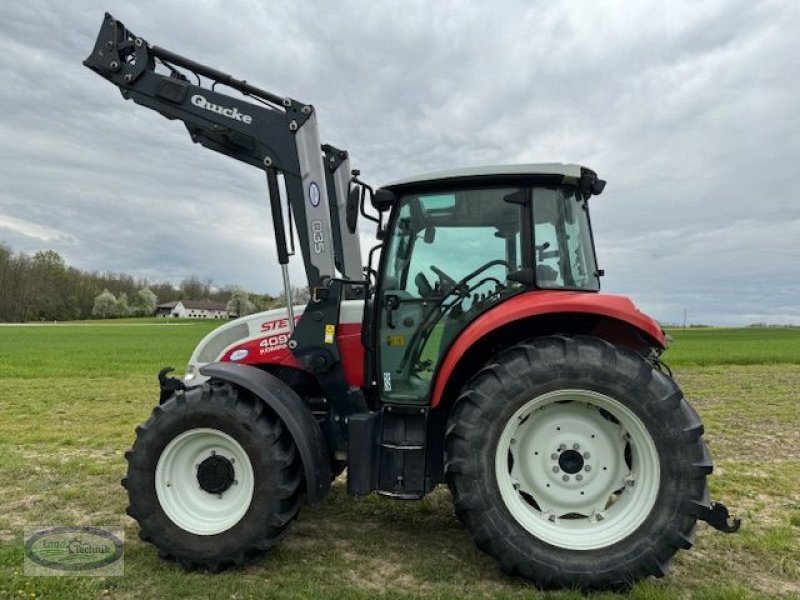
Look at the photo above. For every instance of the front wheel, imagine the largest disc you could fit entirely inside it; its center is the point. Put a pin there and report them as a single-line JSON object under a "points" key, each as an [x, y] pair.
{"points": [[575, 463], [213, 477]]}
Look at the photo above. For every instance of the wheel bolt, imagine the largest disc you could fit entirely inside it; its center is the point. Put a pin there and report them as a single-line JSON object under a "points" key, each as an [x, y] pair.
{"points": [[556, 469], [578, 477], [562, 447], [576, 446], [585, 455], [565, 478], [587, 468], [554, 456]]}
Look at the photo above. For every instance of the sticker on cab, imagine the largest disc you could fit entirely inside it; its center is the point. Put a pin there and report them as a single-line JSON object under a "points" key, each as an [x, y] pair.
{"points": [[387, 381], [330, 332]]}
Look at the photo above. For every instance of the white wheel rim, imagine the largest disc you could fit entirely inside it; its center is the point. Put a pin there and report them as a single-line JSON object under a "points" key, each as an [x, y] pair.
{"points": [[178, 489], [554, 434]]}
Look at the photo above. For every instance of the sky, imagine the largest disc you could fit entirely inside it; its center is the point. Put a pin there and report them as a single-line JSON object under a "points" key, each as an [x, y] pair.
{"points": [[690, 111]]}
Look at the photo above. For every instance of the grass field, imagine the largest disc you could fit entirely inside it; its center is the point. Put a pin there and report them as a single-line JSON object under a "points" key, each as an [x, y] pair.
{"points": [[70, 396]]}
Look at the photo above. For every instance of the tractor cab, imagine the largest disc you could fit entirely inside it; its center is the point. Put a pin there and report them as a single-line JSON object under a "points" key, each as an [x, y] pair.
{"points": [[460, 242]]}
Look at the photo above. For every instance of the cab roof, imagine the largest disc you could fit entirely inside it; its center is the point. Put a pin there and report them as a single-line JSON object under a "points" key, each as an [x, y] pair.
{"points": [[568, 172]]}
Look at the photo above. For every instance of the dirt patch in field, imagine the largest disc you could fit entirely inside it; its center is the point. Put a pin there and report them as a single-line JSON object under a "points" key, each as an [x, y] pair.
{"points": [[379, 575]]}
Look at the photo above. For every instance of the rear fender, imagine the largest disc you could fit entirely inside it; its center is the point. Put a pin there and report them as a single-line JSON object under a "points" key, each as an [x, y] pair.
{"points": [[614, 318], [290, 408]]}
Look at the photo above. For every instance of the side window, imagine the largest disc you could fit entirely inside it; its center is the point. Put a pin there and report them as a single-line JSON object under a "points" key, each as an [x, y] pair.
{"points": [[562, 238], [548, 270]]}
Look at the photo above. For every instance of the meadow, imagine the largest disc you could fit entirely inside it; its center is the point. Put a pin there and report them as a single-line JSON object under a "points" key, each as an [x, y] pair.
{"points": [[71, 395]]}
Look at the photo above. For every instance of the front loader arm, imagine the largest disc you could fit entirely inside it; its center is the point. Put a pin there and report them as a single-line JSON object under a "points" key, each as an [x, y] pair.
{"points": [[277, 135], [281, 137], [247, 132]]}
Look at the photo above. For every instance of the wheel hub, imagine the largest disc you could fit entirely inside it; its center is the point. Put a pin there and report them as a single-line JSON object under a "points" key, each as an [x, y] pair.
{"points": [[215, 474], [568, 458], [204, 481], [577, 468], [570, 461]]}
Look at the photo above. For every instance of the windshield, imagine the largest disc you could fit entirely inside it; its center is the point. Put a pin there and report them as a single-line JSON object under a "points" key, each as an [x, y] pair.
{"points": [[563, 240]]}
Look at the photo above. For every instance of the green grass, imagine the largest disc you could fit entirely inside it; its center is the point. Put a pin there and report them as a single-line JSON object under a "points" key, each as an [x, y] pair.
{"points": [[98, 348], [70, 397], [748, 346]]}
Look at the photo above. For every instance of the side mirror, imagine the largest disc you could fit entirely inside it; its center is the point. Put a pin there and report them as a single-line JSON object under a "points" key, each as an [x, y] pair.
{"points": [[430, 234], [589, 184], [383, 200], [351, 208]]}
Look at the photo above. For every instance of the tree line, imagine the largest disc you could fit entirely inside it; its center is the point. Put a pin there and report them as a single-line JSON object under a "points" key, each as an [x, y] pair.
{"points": [[42, 287]]}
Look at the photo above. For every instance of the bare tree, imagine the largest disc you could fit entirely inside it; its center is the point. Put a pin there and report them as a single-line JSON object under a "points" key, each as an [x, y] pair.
{"points": [[193, 288]]}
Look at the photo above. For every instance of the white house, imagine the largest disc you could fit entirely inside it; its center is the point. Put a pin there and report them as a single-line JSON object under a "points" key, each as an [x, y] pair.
{"points": [[193, 309]]}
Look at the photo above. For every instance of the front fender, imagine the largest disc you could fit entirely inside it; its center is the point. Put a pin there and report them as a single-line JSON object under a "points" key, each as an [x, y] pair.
{"points": [[290, 408], [540, 304]]}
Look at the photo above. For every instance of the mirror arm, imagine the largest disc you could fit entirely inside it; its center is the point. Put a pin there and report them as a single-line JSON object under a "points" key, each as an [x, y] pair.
{"points": [[365, 187]]}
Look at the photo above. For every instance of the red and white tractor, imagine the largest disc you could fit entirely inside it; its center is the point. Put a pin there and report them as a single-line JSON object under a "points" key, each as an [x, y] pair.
{"points": [[477, 351]]}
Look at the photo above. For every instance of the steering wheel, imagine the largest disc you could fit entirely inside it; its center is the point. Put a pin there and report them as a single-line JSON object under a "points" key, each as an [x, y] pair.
{"points": [[450, 285], [414, 348]]}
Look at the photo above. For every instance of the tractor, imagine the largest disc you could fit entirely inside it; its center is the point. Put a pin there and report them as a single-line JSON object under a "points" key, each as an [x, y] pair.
{"points": [[474, 349]]}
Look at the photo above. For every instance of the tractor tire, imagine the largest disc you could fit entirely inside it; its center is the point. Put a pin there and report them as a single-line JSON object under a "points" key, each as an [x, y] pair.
{"points": [[576, 464], [214, 477]]}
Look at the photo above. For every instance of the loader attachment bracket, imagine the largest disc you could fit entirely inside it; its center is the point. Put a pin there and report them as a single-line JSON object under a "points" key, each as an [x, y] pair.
{"points": [[168, 385], [718, 516]]}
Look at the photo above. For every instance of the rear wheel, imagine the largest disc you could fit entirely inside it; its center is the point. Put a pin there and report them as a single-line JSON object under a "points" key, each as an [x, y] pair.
{"points": [[573, 462], [213, 477]]}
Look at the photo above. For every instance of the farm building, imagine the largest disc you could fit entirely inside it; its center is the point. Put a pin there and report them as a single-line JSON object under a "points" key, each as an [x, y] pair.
{"points": [[193, 309]]}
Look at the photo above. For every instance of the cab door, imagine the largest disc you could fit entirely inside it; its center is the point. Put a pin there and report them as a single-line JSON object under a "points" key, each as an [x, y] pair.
{"points": [[447, 259]]}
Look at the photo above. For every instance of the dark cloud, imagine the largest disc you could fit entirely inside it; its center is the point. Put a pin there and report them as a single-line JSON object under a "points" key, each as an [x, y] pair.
{"points": [[688, 109]]}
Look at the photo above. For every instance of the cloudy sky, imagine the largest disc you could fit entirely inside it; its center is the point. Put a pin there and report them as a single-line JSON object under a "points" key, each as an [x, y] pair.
{"points": [[690, 110]]}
